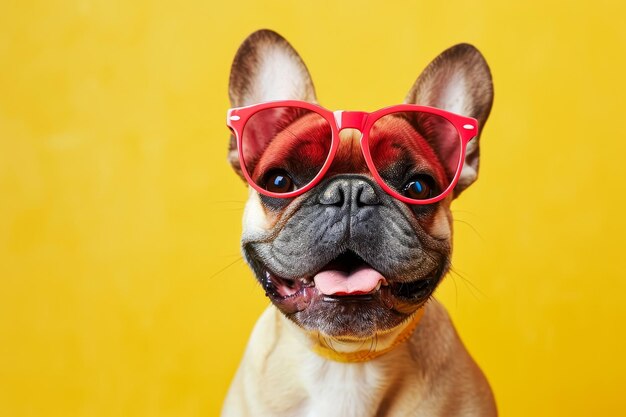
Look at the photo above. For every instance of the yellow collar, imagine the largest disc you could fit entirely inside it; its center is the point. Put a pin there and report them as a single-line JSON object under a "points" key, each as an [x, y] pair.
{"points": [[323, 349]]}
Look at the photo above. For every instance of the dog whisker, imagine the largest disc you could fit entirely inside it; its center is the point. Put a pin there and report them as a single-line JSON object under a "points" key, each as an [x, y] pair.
{"points": [[330, 345], [227, 202], [469, 285], [456, 291], [229, 210], [239, 259], [468, 224], [465, 211], [375, 343]]}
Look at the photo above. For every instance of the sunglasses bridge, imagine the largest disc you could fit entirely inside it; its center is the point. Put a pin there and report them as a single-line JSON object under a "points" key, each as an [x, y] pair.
{"points": [[350, 120]]}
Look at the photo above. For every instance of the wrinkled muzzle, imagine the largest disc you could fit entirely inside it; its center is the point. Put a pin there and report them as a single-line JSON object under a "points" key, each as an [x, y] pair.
{"points": [[347, 243]]}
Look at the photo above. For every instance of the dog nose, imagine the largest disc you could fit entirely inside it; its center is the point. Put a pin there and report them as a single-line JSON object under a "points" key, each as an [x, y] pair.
{"points": [[342, 191]]}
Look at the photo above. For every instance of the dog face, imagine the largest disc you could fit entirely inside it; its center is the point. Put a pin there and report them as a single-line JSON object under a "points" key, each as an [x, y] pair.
{"points": [[345, 258]]}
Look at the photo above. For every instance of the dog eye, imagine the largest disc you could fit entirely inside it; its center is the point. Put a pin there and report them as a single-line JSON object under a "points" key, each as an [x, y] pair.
{"points": [[419, 187], [278, 181]]}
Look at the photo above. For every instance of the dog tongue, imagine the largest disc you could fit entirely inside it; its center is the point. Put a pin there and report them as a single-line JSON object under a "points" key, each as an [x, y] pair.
{"points": [[360, 281]]}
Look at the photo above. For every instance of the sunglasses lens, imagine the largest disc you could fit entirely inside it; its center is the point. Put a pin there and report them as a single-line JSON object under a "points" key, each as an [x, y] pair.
{"points": [[284, 148], [417, 154]]}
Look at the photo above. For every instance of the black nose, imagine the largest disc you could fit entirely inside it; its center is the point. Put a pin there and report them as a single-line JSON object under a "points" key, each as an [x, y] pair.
{"points": [[350, 192]]}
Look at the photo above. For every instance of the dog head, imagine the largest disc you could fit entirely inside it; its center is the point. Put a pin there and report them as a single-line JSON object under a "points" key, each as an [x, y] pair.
{"points": [[346, 258]]}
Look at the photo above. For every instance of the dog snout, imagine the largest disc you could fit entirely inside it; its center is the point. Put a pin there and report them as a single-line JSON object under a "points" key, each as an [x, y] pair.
{"points": [[349, 192]]}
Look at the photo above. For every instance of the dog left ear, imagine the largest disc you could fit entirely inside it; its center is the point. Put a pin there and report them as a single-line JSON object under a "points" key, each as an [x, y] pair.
{"points": [[459, 81], [266, 67]]}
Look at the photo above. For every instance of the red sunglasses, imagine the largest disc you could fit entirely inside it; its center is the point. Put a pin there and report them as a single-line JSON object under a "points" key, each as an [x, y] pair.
{"points": [[415, 153]]}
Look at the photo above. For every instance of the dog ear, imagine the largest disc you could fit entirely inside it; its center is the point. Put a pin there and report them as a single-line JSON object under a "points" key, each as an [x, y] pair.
{"points": [[459, 81], [266, 67]]}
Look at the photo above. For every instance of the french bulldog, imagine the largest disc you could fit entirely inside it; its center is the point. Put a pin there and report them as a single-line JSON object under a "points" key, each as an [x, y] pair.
{"points": [[350, 264]]}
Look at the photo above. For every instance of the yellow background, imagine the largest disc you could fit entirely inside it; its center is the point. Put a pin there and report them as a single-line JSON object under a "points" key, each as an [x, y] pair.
{"points": [[119, 214]]}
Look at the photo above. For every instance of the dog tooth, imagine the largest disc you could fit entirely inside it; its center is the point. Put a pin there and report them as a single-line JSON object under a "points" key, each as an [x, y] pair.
{"points": [[378, 286]]}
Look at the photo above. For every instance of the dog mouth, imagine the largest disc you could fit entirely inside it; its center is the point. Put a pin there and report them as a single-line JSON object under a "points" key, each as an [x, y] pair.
{"points": [[345, 279]]}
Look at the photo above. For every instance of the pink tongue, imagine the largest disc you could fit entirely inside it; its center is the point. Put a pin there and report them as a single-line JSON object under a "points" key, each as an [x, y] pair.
{"points": [[360, 281]]}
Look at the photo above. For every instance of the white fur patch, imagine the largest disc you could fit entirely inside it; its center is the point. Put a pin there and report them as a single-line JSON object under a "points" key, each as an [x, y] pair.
{"points": [[254, 219], [454, 96], [343, 389], [440, 228], [468, 175], [280, 76]]}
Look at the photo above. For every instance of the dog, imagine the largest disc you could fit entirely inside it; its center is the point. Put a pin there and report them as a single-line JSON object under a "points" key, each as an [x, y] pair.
{"points": [[348, 265]]}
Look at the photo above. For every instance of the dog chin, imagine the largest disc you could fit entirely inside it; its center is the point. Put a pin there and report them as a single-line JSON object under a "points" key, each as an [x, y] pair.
{"points": [[316, 306]]}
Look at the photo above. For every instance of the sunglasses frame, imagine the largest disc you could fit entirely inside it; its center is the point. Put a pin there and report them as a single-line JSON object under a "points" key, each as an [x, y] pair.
{"points": [[237, 117]]}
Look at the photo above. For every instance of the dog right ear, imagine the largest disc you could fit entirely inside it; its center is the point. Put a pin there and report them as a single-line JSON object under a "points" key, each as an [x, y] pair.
{"points": [[266, 68], [458, 80]]}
